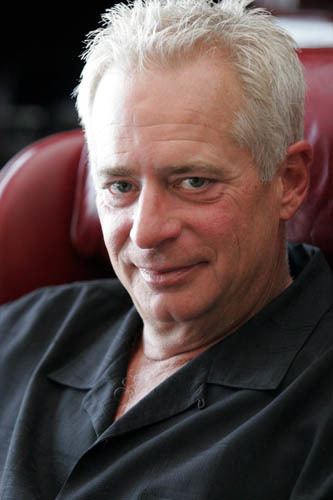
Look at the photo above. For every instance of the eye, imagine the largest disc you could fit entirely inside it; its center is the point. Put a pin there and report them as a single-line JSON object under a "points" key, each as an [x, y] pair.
{"points": [[195, 183], [120, 187]]}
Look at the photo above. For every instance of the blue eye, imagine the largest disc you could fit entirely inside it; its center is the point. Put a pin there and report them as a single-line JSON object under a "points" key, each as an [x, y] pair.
{"points": [[121, 187], [195, 182]]}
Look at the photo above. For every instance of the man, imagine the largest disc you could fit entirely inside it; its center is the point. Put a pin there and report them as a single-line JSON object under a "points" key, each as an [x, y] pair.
{"points": [[218, 382]]}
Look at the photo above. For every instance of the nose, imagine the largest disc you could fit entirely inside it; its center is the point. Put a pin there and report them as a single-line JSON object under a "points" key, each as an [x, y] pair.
{"points": [[154, 220]]}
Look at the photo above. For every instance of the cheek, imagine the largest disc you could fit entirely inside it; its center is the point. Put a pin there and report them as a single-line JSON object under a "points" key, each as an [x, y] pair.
{"points": [[218, 231], [116, 227], [220, 225], [232, 229]]}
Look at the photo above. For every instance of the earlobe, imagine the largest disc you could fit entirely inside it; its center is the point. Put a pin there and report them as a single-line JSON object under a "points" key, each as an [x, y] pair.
{"points": [[294, 173]]}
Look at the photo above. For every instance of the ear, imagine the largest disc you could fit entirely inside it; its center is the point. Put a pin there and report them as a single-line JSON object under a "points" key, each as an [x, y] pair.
{"points": [[294, 175]]}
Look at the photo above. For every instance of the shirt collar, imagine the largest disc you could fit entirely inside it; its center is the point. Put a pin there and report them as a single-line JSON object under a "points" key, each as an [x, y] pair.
{"points": [[260, 353], [90, 368], [257, 356]]}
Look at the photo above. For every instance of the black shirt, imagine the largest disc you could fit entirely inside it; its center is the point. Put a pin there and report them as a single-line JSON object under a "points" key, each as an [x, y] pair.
{"points": [[251, 418]]}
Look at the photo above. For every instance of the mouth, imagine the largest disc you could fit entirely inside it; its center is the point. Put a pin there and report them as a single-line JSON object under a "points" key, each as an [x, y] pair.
{"points": [[168, 277]]}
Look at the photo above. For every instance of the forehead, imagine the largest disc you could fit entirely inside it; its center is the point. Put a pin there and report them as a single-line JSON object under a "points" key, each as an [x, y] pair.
{"points": [[179, 103], [199, 85]]}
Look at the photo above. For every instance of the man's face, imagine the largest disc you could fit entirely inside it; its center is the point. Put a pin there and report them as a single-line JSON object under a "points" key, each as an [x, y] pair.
{"points": [[190, 229]]}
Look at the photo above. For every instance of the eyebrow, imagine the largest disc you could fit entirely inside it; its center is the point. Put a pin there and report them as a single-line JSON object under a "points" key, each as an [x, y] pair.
{"points": [[118, 171], [122, 171]]}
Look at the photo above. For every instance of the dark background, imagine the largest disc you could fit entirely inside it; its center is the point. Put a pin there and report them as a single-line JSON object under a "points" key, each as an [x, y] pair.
{"points": [[40, 66]]}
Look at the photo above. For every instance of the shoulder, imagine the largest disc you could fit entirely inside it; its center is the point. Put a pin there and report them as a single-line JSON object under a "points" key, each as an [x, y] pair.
{"points": [[41, 315], [65, 297]]}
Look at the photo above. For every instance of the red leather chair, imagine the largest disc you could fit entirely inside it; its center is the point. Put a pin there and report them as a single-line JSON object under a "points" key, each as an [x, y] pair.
{"points": [[313, 223], [49, 229]]}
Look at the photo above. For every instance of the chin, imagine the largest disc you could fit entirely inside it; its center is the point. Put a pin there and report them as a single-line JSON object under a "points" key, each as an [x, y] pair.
{"points": [[164, 310]]}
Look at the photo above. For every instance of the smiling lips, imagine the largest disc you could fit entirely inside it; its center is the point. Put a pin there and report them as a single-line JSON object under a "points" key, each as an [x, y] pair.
{"points": [[160, 278]]}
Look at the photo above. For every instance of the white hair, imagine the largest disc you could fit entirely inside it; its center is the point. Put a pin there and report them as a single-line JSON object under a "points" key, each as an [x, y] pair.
{"points": [[148, 34]]}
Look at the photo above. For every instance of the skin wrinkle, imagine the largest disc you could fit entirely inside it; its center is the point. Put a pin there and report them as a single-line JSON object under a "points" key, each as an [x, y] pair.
{"points": [[207, 239], [181, 139], [106, 173], [165, 140], [219, 133], [202, 104], [158, 127], [199, 164]]}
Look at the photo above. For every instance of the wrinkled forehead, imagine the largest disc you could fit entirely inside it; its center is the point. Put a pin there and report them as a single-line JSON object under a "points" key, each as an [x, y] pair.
{"points": [[183, 103], [208, 87]]}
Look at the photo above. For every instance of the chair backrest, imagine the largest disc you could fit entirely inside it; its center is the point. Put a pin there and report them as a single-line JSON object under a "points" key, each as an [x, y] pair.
{"points": [[313, 223], [49, 228]]}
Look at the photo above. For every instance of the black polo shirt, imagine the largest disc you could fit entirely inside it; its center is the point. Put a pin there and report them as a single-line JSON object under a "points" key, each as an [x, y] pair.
{"points": [[251, 418]]}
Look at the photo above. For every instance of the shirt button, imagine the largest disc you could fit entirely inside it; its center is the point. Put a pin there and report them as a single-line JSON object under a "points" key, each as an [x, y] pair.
{"points": [[201, 403], [118, 392]]}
